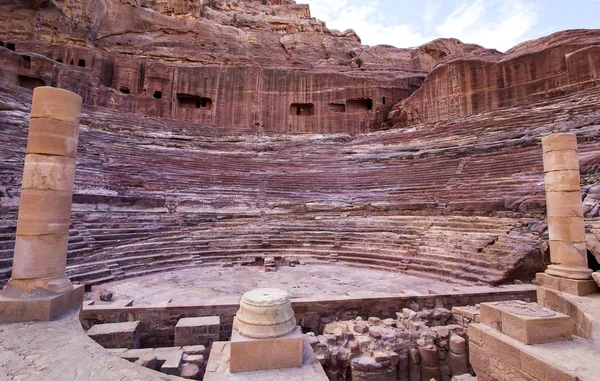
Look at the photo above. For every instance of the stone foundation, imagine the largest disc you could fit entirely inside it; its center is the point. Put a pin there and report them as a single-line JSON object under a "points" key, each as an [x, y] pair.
{"points": [[157, 327], [197, 331]]}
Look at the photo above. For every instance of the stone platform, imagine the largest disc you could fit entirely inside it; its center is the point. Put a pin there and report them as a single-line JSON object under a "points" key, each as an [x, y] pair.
{"points": [[497, 356], [41, 307], [217, 368], [60, 350]]}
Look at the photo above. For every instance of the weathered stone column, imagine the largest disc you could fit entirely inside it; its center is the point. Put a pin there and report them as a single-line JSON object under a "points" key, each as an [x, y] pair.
{"points": [[265, 335], [564, 208], [40, 254]]}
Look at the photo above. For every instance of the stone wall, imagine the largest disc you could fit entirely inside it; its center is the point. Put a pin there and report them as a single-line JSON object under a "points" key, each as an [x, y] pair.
{"points": [[157, 324]]}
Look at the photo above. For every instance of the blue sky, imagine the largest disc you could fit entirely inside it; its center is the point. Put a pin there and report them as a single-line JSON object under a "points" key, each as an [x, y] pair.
{"points": [[498, 24]]}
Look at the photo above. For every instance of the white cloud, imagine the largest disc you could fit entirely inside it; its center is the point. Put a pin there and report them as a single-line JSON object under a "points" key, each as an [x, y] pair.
{"points": [[367, 21], [432, 9], [499, 24], [493, 24]]}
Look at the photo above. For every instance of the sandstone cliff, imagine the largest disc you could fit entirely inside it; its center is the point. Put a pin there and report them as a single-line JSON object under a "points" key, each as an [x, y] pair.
{"points": [[559, 64]]}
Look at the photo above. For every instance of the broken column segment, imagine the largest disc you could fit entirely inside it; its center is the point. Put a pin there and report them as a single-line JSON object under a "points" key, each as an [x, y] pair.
{"points": [[265, 334], [40, 254], [564, 208]]}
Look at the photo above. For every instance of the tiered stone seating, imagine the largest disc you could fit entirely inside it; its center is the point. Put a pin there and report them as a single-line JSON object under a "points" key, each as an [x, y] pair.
{"points": [[460, 201]]}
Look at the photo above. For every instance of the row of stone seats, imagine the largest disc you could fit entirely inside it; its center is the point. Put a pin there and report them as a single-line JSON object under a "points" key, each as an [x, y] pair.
{"points": [[431, 199]]}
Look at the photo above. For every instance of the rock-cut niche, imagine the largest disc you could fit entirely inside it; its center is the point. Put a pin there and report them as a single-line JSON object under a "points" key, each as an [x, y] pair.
{"points": [[194, 101], [302, 109]]}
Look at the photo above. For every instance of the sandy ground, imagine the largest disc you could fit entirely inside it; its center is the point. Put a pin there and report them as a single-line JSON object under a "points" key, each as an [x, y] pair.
{"points": [[186, 286]]}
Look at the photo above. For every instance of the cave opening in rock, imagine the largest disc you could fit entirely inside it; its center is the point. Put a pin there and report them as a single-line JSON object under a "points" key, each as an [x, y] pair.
{"points": [[359, 105], [2, 43], [157, 94], [125, 90], [302, 109], [30, 82], [193, 101], [383, 100], [59, 60], [593, 261], [81, 63], [337, 107], [11, 46], [26, 62]]}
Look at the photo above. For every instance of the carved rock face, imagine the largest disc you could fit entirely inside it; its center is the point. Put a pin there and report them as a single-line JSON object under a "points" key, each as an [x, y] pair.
{"points": [[265, 313]]}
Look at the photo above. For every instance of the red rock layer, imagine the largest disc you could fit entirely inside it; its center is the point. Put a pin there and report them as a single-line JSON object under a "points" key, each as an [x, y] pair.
{"points": [[260, 67], [541, 69], [459, 201]]}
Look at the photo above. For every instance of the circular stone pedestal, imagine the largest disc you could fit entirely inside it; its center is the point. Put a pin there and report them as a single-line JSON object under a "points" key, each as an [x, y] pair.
{"points": [[265, 313]]}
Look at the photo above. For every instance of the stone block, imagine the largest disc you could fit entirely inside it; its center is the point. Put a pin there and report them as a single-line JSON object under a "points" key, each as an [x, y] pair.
{"points": [[499, 348], [474, 334], [561, 161], [217, 368], [52, 137], [55, 219], [458, 363], [559, 142], [48, 173], [569, 229], [458, 345], [543, 371], [562, 181], [249, 354], [197, 331], [116, 335], [172, 363], [479, 358], [530, 323], [40, 256], [43, 308], [569, 286], [194, 350], [490, 316], [58, 104], [564, 204]]}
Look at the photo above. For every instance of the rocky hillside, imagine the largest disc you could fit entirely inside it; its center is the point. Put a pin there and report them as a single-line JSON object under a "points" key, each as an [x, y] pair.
{"points": [[473, 82]]}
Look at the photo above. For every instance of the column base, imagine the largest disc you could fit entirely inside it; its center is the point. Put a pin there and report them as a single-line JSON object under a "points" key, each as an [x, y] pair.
{"points": [[577, 273], [569, 286], [23, 288], [40, 305]]}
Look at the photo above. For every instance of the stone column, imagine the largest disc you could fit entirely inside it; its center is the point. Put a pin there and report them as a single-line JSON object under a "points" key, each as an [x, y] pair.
{"points": [[40, 254], [564, 208], [265, 335]]}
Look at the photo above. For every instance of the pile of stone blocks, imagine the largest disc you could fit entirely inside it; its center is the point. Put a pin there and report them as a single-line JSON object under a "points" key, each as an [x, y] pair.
{"points": [[424, 344], [270, 264], [187, 362], [197, 331], [116, 335]]}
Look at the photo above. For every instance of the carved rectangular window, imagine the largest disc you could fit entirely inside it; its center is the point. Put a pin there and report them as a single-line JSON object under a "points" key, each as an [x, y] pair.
{"points": [[337, 107], [302, 109], [194, 101], [359, 105], [30, 82]]}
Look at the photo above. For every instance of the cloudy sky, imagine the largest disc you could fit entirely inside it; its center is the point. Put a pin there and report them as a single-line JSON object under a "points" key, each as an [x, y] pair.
{"points": [[499, 24]]}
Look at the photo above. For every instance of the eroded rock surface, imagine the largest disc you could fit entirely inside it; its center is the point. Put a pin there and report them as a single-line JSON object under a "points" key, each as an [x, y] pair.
{"points": [[475, 82]]}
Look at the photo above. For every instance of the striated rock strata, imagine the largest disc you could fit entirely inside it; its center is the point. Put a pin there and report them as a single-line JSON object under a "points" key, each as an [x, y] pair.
{"points": [[541, 69]]}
